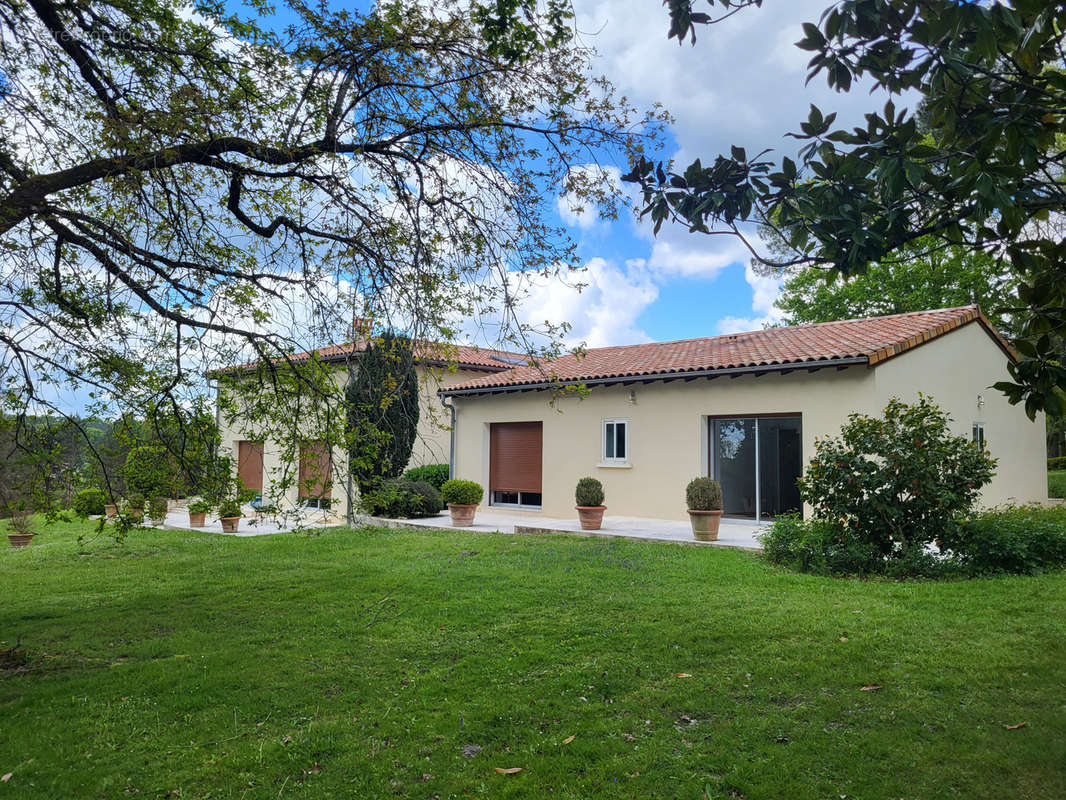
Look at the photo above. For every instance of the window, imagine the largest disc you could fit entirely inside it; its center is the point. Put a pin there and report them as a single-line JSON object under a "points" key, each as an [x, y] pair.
{"points": [[615, 441], [979, 435], [516, 499]]}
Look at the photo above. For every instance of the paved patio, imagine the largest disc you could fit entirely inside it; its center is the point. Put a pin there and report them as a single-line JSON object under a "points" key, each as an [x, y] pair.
{"points": [[250, 524], [732, 533]]}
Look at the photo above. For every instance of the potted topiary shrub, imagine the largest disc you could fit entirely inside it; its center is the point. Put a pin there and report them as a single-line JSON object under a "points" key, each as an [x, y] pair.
{"points": [[198, 513], [21, 534], [229, 511], [590, 507], [135, 505], [462, 498], [704, 496]]}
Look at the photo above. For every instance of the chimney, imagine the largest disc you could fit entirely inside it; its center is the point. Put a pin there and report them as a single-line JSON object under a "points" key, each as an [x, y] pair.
{"points": [[361, 327]]}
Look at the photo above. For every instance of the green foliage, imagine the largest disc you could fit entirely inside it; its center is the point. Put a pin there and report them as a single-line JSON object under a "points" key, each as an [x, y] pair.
{"points": [[435, 474], [818, 548], [704, 494], [1059, 462], [589, 492], [1020, 540], [150, 471], [383, 410], [230, 508], [461, 492], [898, 481], [89, 501], [918, 277], [398, 498], [157, 509], [200, 507], [1056, 483], [135, 501], [978, 167]]}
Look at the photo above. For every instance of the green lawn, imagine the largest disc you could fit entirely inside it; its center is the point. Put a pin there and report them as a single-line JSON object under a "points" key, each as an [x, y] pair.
{"points": [[361, 663], [1056, 483]]}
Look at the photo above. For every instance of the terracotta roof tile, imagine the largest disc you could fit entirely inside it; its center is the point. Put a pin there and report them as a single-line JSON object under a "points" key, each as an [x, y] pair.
{"points": [[463, 356], [872, 340]]}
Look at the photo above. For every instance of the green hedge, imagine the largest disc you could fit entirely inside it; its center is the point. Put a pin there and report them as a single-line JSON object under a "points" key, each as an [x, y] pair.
{"points": [[1059, 462], [433, 474], [399, 498]]}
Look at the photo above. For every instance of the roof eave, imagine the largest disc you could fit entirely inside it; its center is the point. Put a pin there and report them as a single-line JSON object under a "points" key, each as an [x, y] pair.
{"points": [[790, 366]]}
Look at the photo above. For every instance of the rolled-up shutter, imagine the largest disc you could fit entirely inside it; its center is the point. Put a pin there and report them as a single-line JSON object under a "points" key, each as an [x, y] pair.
{"points": [[515, 456], [315, 470], [250, 464]]}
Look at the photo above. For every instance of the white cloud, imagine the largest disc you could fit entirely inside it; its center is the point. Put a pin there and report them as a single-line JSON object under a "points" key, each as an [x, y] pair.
{"points": [[765, 291]]}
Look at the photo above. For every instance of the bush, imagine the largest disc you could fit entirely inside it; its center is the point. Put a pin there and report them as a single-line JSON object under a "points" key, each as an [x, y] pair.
{"points": [[1058, 462], [1056, 483], [135, 501], [399, 498], [157, 509], [818, 548], [896, 482], [229, 508], [89, 501], [433, 474], [150, 471], [589, 492], [1020, 540], [199, 507], [704, 494], [461, 493]]}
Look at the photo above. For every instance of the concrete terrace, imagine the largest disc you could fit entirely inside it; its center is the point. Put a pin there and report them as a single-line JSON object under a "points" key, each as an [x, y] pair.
{"points": [[732, 533]]}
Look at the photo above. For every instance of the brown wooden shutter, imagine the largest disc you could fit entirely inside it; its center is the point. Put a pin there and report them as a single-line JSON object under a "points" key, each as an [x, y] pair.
{"points": [[250, 465], [515, 456], [315, 470]]}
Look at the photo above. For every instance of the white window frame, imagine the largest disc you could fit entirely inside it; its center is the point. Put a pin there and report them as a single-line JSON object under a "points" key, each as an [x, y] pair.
{"points": [[613, 461], [979, 439]]}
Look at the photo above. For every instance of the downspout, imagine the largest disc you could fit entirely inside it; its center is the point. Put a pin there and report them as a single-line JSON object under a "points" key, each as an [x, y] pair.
{"points": [[451, 444]]}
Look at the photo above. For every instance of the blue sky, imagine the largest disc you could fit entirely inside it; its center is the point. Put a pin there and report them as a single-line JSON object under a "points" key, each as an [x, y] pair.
{"points": [[742, 83]]}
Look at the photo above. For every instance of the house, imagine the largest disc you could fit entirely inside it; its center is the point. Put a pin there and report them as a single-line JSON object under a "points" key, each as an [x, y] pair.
{"points": [[317, 474], [744, 408]]}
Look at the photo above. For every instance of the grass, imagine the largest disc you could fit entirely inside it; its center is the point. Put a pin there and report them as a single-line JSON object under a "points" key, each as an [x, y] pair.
{"points": [[362, 663], [1056, 483]]}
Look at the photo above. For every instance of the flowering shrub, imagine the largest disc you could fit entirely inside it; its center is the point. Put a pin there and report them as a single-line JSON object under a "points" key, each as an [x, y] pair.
{"points": [[896, 482]]}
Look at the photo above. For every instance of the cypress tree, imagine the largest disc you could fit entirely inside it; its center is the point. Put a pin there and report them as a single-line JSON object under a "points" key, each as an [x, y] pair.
{"points": [[382, 410]]}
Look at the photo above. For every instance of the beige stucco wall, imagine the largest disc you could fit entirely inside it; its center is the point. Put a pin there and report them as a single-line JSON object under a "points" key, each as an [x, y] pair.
{"points": [[431, 446], [668, 434]]}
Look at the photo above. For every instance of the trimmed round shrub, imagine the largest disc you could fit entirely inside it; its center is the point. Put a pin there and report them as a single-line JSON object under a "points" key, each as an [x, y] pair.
{"points": [[589, 492], [433, 474], [704, 494], [229, 508], [89, 501], [462, 493]]}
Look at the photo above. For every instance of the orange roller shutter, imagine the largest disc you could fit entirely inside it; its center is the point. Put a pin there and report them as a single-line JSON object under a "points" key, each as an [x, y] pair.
{"points": [[515, 456]]}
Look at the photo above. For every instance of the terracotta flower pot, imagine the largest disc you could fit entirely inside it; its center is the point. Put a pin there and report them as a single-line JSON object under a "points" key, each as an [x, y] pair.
{"points": [[197, 520], [111, 510], [462, 514], [20, 539], [705, 524], [591, 517], [229, 524], [136, 513]]}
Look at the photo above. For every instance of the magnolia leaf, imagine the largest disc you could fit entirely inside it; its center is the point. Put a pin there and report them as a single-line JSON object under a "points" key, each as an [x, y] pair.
{"points": [[873, 687], [569, 739], [508, 770], [1016, 725]]}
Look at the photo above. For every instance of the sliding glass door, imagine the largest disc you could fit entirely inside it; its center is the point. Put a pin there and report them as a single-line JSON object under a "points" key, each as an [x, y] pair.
{"points": [[757, 460]]}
